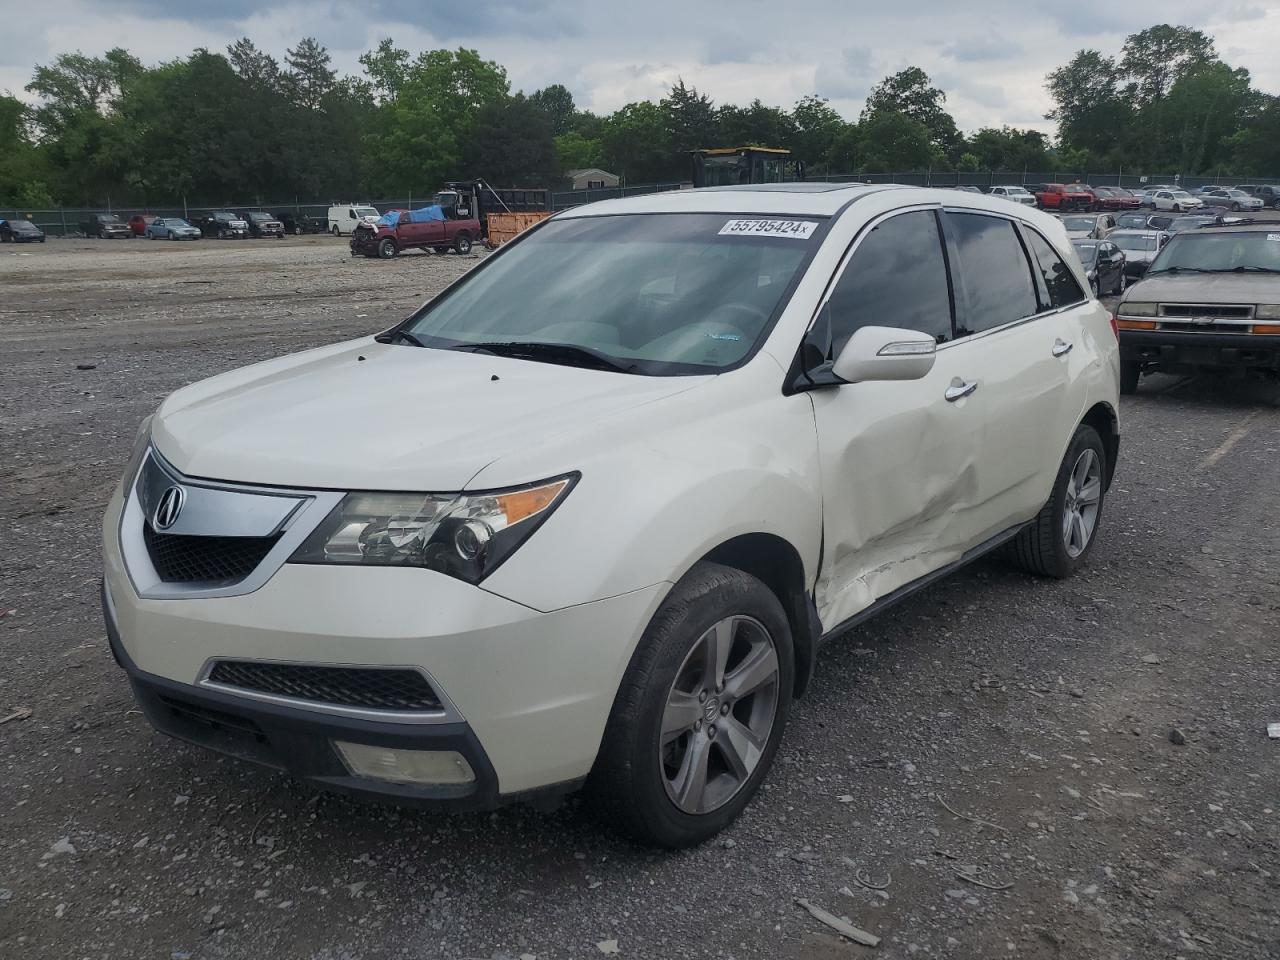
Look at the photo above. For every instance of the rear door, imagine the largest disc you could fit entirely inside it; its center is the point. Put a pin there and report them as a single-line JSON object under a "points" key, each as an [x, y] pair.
{"points": [[900, 462], [1015, 346]]}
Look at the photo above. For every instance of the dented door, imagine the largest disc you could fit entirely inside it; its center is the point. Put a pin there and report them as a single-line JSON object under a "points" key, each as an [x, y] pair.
{"points": [[902, 481]]}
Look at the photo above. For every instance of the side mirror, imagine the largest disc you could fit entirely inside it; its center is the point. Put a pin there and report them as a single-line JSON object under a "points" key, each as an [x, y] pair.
{"points": [[885, 353]]}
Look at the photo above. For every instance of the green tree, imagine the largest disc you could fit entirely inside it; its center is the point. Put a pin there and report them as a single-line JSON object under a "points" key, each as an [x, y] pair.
{"points": [[310, 76], [75, 85], [556, 103], [1154, 59], [387, 67], [1088, 106], [1254, 149], [577, 152], [20, 181], [510, 144], [1009, 148], [256, 68], [1202, 110], [911, 93], [635, 144], [690, 118], [816, 126], [754, 125], [894, 142]]}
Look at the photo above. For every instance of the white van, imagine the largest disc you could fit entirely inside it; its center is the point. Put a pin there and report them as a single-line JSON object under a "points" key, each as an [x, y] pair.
{"points": [[344, 219]]}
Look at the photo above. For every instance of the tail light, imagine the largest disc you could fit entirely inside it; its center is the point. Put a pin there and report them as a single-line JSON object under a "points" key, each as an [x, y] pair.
{"points": [[1115, 327]]}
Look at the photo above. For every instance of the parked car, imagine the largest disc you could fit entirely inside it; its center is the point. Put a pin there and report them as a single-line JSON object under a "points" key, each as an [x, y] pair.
{"points": [[138, 223], [222, 224], [1103, 264], [1095, 226], [1115, 198], [426, 228], [1235, 200], [496, 642], [1016, 194], [1140, 248], [968, 188], [298, 223], [105, 226], [1057, 196], [1269, 195], [1194, 222], [1175, 200], [263, 224], [1143, 221], [20, 231], [1210, 303], [172, 228], [344, 220]]}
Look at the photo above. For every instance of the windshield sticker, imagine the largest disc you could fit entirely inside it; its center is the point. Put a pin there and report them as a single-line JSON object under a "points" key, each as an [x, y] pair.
{"points": [[795, 229]]}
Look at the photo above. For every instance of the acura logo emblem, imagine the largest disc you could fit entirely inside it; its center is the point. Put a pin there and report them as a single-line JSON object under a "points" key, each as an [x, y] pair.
{"points": [[168, 508]]}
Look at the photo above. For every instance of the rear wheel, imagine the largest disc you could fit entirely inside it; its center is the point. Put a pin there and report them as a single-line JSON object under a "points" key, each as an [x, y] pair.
{"points": [[1060, 538], [462, 244], [334, 230], [1123, 282], [700, 711]]}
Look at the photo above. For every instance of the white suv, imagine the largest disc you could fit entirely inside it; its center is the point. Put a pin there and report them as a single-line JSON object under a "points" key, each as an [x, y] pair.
{"points": [[585, 517], [1175, 200]]}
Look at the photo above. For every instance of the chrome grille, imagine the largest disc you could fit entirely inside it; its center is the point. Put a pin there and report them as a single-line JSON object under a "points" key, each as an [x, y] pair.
{"points": [[371, 688], [179, 558], [1207, 311]]}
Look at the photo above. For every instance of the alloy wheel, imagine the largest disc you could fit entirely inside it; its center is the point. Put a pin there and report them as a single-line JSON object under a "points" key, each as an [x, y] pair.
{"points": [[1083, 500], [719, 714]]}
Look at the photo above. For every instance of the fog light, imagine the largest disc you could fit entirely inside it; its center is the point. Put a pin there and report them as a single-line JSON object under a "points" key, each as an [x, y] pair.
{"points": [[405, 766]]}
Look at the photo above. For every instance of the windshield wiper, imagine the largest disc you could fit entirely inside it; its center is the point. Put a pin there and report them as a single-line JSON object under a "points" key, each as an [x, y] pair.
{"points": [[393, 335], [1152, 273], [569, 354], [1249, 268]]}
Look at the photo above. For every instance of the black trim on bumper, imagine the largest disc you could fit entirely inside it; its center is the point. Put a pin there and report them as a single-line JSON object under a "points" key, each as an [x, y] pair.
{"points": [[300, 741], [1176, 348]]}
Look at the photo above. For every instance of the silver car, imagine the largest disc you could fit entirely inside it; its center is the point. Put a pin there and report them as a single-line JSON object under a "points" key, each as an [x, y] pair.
{"points": [[172, 228], [1140, 248], [1088, 226], [1231, 199]]}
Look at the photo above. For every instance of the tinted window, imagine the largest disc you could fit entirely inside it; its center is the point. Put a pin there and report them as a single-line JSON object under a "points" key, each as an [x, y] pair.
{"points": [[896, 278], [1058, 280], [994, 272]]}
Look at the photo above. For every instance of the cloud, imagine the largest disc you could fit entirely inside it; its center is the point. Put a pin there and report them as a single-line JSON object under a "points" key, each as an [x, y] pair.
{"points": [[850, 78], [979, 49]]}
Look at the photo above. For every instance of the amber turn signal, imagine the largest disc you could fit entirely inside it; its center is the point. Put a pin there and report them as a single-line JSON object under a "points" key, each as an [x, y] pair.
{"points": [[1270, 328], [1124, 324]]}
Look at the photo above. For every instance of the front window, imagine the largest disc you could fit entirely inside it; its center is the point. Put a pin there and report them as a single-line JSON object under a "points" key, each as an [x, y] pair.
{"points": [[661, 294], [366, 212], [1134, 243], [1253, 252], [1088, 252]]}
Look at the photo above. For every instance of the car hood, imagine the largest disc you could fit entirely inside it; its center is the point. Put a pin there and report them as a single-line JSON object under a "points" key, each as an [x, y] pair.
{"points": [[366, 415], [1207, 288]]}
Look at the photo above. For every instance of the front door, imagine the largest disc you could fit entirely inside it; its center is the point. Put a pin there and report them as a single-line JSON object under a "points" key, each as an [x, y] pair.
{"points": [[900, 461]]}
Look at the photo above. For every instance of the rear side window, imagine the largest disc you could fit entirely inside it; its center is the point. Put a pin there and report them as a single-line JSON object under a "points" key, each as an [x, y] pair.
{"points": [[1060, 283], [896, 278], [993, 271]]}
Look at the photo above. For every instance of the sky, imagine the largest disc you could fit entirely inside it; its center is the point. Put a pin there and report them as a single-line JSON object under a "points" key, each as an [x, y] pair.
{"points": [[989, 57]]}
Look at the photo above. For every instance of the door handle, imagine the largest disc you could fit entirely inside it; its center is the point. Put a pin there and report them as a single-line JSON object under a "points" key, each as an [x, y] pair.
{"points": [[959, 389], [1061, 348]]}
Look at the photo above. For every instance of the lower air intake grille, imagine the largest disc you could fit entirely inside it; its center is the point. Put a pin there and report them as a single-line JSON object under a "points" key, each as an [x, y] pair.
{"points": [[372, 689], [179, 558]]}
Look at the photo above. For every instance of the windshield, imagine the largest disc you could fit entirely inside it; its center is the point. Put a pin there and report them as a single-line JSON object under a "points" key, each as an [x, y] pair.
{"points": [[662, 294], [1181, 194], [1088, 252], [1133, 242], [225, 215], [1131, 220], [1079, 223], [21, 226], [366, 212], [257, 216], [1223, 252]]}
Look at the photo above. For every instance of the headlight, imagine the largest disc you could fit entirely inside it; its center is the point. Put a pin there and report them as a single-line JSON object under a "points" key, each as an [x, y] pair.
{"points": [[464, 535], [140, 444], [1136, 309], [1268, 311]]}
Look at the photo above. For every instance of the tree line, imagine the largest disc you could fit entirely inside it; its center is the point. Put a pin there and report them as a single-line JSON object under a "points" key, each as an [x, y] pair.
{"points": [[236, 125]]}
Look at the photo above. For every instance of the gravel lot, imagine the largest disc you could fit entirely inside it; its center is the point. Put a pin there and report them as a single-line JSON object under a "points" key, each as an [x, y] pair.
{"points": [[1101, 741]]}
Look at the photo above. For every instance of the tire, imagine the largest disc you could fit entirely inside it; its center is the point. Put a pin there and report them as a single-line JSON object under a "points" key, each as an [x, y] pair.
{"points": [[1122, 283], [1043, 547], [335, 231], [387, 248], [462, 244], [297, 231], [1095, 286], [1130, 371], [1276, 206], [636, 783], [1177, 208]]}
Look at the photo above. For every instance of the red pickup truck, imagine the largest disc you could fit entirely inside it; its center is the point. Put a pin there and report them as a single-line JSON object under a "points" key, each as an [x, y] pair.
{"points": [[424, 228], [1062, 196]]}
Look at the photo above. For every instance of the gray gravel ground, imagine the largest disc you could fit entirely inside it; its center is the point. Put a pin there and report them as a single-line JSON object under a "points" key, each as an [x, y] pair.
{"points": [[1102, 739]]}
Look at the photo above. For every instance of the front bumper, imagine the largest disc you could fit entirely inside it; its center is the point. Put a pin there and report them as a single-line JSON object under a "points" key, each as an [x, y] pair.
{"points": [[1189, 350], [531, 691]]}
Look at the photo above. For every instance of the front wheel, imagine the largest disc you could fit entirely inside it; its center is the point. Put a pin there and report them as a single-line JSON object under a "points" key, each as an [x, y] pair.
{"points": [[387, 249], [701, 709], [1057, 542], [1235, 207], [1177, 208], [1122, 283]]}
